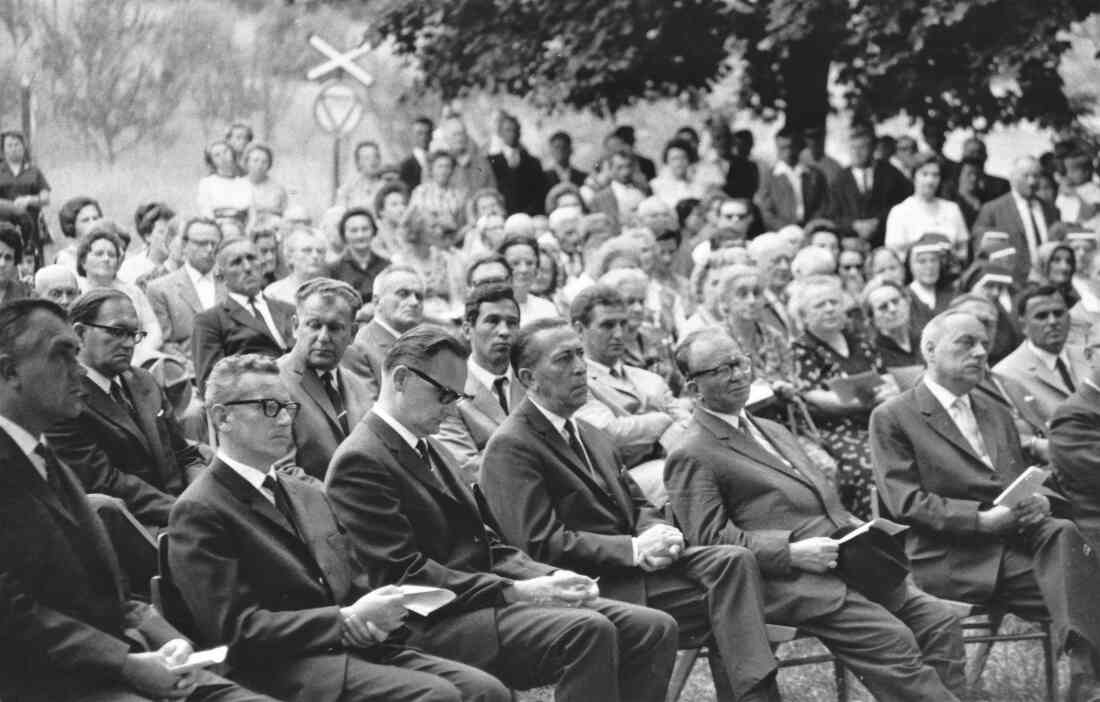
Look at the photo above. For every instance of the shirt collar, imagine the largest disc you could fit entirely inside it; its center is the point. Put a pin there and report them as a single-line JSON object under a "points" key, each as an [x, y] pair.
{"points": [[1019, 199], [483, 376], [410, 438], [734, 420], [26, 441], [783, 168], [556, 420], [254, 476], [617, 370], [944, 396], [101, 381], [195, 276], [243, 300], [1047, 358], [387, 327], [1086, 381]]}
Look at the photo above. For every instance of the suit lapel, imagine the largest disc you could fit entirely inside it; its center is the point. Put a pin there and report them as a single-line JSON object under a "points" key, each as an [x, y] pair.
{"points": [[244, 317], [449, 474], [313, 387], [485, 400], [102, 404], [306, 501], [186, 290], [1039, 370], [942, 423], [18, 470], [737, 441], [249, 495], [607, 465], [406, 457]]}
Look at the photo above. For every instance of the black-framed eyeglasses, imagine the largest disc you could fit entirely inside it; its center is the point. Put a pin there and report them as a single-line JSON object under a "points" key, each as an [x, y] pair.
{"points": [[738, 365], [120, 332], [446, 395], [271, 407]]}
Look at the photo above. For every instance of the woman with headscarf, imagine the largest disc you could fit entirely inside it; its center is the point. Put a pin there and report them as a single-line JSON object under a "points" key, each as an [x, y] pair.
{"points": [[995, 283], [928, 292], [1056, 265]]}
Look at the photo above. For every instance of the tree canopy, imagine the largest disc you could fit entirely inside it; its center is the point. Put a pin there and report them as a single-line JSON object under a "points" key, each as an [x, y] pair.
{"points": [[966, 62]]}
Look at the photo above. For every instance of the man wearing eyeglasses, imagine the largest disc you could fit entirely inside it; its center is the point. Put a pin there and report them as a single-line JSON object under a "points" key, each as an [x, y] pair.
{"points": [[1043, 371], [411, 518], [738, 479], [125, 442], [555, 484], [264, 567], [398, 297]]}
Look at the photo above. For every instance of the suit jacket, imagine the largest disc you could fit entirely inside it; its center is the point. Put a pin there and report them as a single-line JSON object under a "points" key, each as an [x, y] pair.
{"points": [[251, 582], [888, 188], [549, 504], [229, 329], [317, 430], [777, 203], [63, 608], [576, 177], [469, 424], [347, 269], [145, 462], [991, 187], [1001, 215], [726, 489], [523, 187], [406, 526], [410, 171], [1075, 453], [175, 302], [633, 411], [930, 478], [364, 356], [1028, 382]]}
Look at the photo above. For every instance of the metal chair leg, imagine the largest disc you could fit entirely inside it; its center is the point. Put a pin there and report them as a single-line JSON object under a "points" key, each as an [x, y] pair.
{"points": [[841, 677], [685, 662]]}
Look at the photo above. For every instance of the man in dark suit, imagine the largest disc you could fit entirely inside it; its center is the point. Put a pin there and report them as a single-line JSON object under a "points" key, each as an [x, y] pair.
{"points": [[1020, 214], [561, 170], [126, 441], [1074, 442], [69, 630], [518, 174], [247, 321], [332, 400], [555, 485], [737, 479], [989, 186], [792, 192], [398, 307], [865, 191], [410, 518], [934, 133], [492, 319], [942, 455], [192, 288], [264, 567], [413, 166]]}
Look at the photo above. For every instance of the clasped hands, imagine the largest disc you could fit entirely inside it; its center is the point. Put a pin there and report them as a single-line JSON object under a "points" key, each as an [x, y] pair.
{"points": [[149, 673], [562, 588], [373, 617], [658, 547], [1003, 520]]}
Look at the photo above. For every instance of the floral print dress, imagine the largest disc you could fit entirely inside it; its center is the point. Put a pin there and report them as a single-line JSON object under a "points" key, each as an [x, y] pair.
{"points": [[846, 438]]}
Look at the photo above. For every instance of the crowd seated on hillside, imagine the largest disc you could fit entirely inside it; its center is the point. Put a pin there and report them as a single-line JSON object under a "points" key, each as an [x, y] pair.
{"points": [[593, 390]]}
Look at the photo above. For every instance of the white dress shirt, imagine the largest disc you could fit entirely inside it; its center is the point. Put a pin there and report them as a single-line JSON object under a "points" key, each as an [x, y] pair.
{"points": [[865, 178], [254, 476], [204, 286], [962, 414], [737, 421], [26, 443], [1022, 207], [794, 176], [265, 314], [487, 379]]}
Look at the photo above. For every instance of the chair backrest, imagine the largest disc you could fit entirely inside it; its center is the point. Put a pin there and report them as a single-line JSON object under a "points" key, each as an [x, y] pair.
{"points": [[166, 596]]}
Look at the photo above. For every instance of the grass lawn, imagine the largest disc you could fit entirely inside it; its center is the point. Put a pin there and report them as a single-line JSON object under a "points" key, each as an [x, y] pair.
{"points": [[1014, 673]]}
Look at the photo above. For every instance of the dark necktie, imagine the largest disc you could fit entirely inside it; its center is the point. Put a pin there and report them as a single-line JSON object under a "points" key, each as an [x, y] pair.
{"points": [[281, 502], [1038, 240], [121, 397], [53, 474], [1060, 366], [255, 310], [502, 397], [328, 379]]}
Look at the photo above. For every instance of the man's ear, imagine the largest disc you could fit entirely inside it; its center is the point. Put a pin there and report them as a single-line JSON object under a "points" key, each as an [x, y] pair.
{"points": [[400, 375], [525, 377], [294, 320]]}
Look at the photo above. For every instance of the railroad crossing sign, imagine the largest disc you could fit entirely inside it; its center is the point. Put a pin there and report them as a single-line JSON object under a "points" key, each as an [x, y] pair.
{"points": [[338, 61], [338, 108]]}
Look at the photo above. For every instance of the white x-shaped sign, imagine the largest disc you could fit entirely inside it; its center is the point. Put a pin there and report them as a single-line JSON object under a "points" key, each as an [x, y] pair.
{"points": [[337, 60]]}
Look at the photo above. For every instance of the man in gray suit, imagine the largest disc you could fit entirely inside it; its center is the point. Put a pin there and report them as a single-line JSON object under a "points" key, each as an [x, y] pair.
{"points": [[398, 294], [1019, 213], [633, 406], [179, 296], [792, 192], [332, 400], [1043, 371], [492, 319]]}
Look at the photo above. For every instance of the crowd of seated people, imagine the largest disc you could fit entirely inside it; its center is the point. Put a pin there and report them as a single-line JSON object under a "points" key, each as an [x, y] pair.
{"points": [[611, 414]]}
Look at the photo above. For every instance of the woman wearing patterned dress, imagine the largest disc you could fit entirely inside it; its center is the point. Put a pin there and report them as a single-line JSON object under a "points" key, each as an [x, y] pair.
{"points": [[825, 352]]}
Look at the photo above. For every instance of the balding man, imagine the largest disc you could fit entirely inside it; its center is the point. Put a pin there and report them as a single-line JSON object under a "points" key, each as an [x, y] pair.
{"points": [[56, 284], [942, 454], [398, 294], [1020, 214], [305, 259]]}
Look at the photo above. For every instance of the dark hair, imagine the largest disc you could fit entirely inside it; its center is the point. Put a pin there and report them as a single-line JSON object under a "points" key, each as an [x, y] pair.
{"points": [[261, 233], [148, 214], [209, 159], [421, 344], [1035, 291], [794, 136], [257, 146], [239, 125], [519, 240], [685, 207], [102, 229], [972, 161], [625, 134], [86, 308], [670, 235], [925, 159], [523, 354], [488, 292], [561, 136], [4, 135], [387, 190], [425, 120], [580, 310], [436, 155], [364, 144], [15, 317], [355, 212], [686, 147], [745, 135], [688, 129], [13, 238], [485, 260], [66, 216]]}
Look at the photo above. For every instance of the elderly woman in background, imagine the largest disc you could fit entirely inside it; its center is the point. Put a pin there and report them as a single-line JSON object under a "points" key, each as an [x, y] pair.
{"points": [[886, 305], [741, 302], [565, 195], [97, 260], [706, 285], [422, 251], [884, 263], [663, 303], [438, 195], [924, 212], [11, 253], [23, 191], [1056, 265], [75, 217], [268, 196], [485, 214], [222, 194], [825, 353]]}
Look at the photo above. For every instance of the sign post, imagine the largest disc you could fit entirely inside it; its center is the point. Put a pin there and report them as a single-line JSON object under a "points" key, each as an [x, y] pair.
{"points": [[339, 106]]}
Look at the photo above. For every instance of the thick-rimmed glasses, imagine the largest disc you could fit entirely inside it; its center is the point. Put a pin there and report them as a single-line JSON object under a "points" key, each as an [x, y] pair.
{"points": [[738, 365], [120, 332], [446, 395], [270, 407]]}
